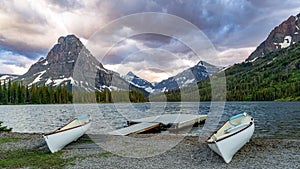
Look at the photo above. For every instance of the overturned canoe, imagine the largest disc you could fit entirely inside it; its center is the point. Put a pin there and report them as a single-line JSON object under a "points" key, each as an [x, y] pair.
{"points": [[59, 138], [232, 136]]}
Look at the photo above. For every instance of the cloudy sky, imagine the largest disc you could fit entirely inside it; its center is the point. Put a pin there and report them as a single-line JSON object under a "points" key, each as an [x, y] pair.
{"points": [[232, 28]]}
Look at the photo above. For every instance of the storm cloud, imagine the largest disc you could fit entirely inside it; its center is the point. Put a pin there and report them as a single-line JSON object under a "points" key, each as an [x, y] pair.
{"points": [[29, 29]]}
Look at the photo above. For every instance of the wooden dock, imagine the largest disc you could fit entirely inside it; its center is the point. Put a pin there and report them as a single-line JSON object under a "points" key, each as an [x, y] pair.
{"points": [[165, 121], [135, 129]]}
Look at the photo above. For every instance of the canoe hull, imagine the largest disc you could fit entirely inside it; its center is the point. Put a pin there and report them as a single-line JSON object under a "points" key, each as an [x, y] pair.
{"points": [[226, 148], [59, 139], [232, 136]]}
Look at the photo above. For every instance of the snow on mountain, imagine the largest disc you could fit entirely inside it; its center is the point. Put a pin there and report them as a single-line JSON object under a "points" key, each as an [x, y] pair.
{"points": [[38, 77], [138, 82], [6, 77], [186, 78]]}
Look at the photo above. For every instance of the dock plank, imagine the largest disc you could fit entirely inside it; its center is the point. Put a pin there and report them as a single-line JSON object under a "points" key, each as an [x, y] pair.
{"points": [[175, 120], [135, 129]]}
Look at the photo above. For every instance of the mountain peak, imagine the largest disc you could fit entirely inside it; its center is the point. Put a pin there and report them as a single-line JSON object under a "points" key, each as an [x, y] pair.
{"points": [[70, 63], [282, 36], [130, 73], [200, 63], [41, 59], [68, 39], [67, 48], [59, 63]]}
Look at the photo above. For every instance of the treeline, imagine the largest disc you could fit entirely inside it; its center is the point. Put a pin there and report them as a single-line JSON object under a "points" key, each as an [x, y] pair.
{"points": [[120, 96], [17, 93], [108, 96]]}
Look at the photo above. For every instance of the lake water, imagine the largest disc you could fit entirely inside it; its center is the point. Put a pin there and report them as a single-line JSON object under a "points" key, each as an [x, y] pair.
{"points": [[272, 119]]}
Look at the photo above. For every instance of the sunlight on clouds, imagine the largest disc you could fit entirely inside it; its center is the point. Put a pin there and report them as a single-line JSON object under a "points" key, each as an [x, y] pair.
{"points": [[234, 55], [11, 63], [153, 76], [150, 74], [153, 65], [31, 22], [13, 69], [31, 28]]}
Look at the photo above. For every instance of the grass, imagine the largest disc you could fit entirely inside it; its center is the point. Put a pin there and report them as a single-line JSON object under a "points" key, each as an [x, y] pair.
{"points": [[9, 139], [83, 140], [37, 158], [105, 154], [31, 158], [289, 99]]}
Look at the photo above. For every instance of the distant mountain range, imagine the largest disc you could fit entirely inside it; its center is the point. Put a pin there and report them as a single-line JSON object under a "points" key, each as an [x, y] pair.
{"points": [[6, 77], [188, 77], [139, 82], [70, 63]]}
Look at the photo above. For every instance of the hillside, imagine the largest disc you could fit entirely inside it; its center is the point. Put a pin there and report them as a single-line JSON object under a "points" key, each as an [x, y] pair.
{"points": [[275, 76]]}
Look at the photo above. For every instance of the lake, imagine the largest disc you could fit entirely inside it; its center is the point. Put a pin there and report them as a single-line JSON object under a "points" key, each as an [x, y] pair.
{"points": [[272, 119]]}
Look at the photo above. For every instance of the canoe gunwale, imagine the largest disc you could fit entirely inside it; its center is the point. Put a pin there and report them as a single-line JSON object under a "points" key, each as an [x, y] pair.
{"points": [[59, 131], [213, 142]]}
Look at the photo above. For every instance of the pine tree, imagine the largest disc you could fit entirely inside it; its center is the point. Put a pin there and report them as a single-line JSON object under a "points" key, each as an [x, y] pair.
{"points": [[14, 98], [1, 93], [5, 94], [9, 92], [22, 94], [51, 95], [35, 97], [44, 94], [27, 95]]}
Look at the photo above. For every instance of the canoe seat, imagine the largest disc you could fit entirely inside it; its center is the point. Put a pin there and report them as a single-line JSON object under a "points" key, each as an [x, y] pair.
{"points": [[231, 129]]}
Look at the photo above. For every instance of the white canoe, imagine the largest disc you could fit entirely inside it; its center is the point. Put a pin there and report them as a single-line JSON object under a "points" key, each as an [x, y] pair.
{"points": [[232, 136], [59, 138]]}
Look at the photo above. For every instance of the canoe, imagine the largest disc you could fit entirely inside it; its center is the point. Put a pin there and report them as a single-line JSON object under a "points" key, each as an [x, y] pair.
{"points": [[59, 138], [232, 136]]}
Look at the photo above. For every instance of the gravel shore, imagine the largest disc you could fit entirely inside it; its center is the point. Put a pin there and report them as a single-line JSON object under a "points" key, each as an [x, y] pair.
{"points": [[188, 153]]}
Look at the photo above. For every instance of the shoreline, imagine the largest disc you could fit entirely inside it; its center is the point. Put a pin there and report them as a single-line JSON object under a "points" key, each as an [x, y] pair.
{"points": [[231, 101], [188, 153]]}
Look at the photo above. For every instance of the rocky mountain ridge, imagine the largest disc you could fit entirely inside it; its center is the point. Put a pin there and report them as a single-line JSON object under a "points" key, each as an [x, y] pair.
{"points": [[188, 77], [70, 63], [282, 36], [139, 82]]}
